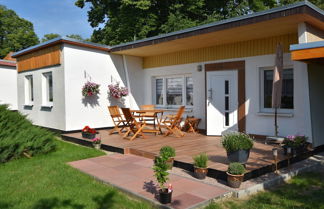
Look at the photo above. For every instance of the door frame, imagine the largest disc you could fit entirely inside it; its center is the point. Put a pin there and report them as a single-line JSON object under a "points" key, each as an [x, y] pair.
{"points": [[240, 67]]}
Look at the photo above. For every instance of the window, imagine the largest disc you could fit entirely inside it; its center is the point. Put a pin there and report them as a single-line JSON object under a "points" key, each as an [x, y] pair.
{"points": [[287, 97], [29, 90], [177, 90], [47, 89]]}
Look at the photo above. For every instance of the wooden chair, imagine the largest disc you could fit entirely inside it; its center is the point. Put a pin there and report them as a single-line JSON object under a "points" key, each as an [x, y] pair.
{"points": [[172, 123], [148, 116], [119, 122], [133, 125]]}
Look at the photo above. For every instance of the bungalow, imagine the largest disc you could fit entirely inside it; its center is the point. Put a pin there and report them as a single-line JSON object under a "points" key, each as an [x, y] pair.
{"points": [[222, 72], [8, 83]]}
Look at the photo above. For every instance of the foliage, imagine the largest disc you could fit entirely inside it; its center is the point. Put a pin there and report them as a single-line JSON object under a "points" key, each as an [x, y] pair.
{"points": [[90, 89], [302, 191], [167, 151], [50, 36], [237, 141], [87, 129], [160, 168], [236, 168], [295, 140], [19, 136], [200, 160], [15, 33], [75, 36], [47, 181], [130, 20], [116, 91]]}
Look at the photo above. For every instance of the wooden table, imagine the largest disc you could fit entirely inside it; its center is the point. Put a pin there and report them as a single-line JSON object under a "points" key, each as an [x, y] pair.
{"points": [[155, 115]]}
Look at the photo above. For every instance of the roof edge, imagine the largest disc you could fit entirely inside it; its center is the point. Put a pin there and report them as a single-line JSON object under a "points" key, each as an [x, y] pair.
{"points": [[59, 40], [309, 45], [7, 63]]}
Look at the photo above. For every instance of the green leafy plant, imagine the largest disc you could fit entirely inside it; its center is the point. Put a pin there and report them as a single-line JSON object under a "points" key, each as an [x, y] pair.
{"points": [[200, 160], [168, 152], [236, 168], [160, 170], [295, 140], [237, 141], [18, 136]]}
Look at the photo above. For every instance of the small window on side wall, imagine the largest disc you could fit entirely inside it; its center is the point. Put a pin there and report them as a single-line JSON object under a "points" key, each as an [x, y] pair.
{"points": [[47, 89], [29, 90], [287, 97]]}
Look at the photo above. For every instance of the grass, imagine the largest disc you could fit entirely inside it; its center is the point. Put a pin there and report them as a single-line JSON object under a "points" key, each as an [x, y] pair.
{"points": [[304, 191], [46, 181]]}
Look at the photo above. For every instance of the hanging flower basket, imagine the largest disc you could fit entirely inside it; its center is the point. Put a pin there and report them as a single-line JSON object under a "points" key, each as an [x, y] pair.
{"points": [[90, 89], [116, 91]]}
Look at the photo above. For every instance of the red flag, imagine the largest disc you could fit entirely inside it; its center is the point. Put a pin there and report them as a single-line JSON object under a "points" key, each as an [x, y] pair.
{"points": [[277, 78]]}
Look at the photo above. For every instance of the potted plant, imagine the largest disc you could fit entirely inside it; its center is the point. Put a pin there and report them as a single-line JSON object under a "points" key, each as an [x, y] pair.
{"points": [[116, 91], [90, 89], [96, 142], [169, 153], [200, 166], [297, 143], [161, 174], [89, 133], [235, 174], [237, 146]]}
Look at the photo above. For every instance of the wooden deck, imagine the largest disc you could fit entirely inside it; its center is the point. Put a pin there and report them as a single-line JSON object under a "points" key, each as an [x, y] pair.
{"points": [[186, 148]]}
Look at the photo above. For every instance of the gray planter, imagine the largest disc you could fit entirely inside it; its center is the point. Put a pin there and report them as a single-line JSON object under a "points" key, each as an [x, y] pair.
{"points": [[240, 156]]}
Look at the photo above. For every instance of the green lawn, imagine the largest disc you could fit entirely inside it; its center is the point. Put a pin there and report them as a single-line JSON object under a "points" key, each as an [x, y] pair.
{"points": [[304, 191], [46, 182]]}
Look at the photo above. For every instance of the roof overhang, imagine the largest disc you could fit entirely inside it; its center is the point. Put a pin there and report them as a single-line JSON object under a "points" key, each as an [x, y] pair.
{"points": [[273, 22], [308, 52], [7, 63], [61, 40]]}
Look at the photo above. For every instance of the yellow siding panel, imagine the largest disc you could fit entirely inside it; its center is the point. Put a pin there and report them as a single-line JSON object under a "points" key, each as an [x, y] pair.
{"points": [[227, 51]]}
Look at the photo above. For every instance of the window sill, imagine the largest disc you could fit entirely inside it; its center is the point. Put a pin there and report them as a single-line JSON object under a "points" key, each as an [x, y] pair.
{"points": [[49, 105], [28, 105], [287, 115], [174, 109]]}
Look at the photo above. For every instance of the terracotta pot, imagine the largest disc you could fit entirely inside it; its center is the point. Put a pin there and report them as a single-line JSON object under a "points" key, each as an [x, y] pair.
{"points": [[165, 196], [200, 173], [170, 162], [234, 181]]}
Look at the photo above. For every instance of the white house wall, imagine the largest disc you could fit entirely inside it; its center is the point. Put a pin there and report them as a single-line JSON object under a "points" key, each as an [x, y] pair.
{"points": [[44, 116], [8, 86], [82, 65], [256, 123]]}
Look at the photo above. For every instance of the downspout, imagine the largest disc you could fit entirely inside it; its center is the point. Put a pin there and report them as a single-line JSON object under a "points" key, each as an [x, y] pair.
{"points": [[127, 79]]}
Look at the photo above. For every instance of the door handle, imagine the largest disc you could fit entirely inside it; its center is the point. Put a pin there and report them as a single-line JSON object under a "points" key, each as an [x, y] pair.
{"points": [[210, 93]]}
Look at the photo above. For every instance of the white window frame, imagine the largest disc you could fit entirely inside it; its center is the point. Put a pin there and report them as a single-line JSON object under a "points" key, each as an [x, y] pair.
{"points": [[45, 90], [271, 110], [29, 90], [164, 93]]}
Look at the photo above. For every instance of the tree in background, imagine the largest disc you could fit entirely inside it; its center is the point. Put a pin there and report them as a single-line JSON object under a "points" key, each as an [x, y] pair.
{"points": [[15, 33], [50, 36], [117, 22]]}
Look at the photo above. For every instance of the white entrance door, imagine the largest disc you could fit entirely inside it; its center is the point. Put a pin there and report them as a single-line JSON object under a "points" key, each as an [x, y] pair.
{"points": [[222, 102]]}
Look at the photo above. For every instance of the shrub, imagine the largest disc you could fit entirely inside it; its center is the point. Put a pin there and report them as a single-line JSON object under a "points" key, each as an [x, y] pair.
{"points": [[168, 152], [295, 140], [18, 136], [200, 160], [236, 169], [160, 171], [237, 141]]}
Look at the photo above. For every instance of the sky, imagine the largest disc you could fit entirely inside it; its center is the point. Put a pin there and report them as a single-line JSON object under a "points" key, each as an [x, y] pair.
{"points": [[52, 16]]}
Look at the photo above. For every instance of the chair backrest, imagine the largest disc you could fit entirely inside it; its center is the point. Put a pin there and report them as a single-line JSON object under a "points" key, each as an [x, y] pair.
{"points": [[147, 107], [178, 118], [114, 111]]}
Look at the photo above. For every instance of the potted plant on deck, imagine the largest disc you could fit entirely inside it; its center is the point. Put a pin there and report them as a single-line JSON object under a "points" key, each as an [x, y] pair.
{"points": [[235, 174], [169, 153], [96, 142], [161, 174], [297, 144], [237, 146], [89, 133], [200, 166]]}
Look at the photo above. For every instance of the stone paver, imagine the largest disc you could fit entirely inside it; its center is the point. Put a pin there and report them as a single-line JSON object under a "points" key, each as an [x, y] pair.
{"points": [[135, 175]]}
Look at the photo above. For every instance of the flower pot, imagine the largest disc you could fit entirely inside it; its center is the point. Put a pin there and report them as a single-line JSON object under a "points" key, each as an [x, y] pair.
{"points": [[234, 181], [88, 135], [200, 173], [165, 196], [240, 156], [96, 146], [170, 162], [295, 150]]}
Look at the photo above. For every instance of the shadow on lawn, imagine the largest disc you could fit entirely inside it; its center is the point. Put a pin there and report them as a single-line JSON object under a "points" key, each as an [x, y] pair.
{"points": [[50, 203], [4, 205], [105, 201]]}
